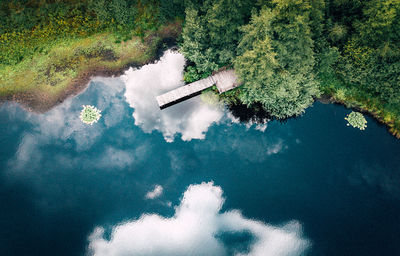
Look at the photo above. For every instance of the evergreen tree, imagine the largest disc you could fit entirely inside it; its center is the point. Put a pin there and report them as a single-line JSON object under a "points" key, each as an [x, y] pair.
{"points": [[371, 59], [196, 42], [224, 17], [169, 9], [211, 32], [101, 9], [120, 12], [277, 59]]}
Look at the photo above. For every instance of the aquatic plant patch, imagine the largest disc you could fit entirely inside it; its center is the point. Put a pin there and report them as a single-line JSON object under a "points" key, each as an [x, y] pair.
{"points": [[357, 120], [90, 114]]}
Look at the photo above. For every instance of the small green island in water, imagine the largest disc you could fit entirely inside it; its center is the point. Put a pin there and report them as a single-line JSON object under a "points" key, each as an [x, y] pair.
{"points": [[90, 114], [357, 120]]}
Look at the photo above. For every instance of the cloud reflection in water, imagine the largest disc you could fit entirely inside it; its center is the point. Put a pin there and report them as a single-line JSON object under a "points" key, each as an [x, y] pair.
{"points": [[62, 127], [194, 230], [191, 118]]}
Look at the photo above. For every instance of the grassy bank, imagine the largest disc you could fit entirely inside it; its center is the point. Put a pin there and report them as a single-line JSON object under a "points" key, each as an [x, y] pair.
{"points": [[65, 65], [352, 97]]}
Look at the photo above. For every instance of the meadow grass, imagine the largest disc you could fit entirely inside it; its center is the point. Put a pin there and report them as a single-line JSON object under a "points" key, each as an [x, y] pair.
{"points": [[44, 79]]}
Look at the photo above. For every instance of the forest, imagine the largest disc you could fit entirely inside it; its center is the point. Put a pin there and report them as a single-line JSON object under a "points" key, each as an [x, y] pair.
{"points": [[287, 53]]}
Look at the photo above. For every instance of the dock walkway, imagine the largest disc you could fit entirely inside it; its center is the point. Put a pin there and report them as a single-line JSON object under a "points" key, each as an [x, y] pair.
{"points": [[224, 80]]}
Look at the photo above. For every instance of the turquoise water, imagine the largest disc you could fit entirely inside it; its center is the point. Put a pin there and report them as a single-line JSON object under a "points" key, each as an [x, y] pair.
{"points": [[308, 186]]}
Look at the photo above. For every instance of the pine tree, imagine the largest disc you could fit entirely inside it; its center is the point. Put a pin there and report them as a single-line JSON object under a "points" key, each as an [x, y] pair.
{"points": [[211, 32], [277, 59], [196, 42]]}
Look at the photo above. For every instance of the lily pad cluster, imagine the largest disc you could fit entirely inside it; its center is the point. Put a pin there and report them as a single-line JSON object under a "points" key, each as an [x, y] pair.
{"points": [[90, 114], [357, 120]]}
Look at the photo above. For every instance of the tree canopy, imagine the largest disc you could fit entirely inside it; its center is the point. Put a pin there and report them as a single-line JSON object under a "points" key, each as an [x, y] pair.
{"points": [[276, 60], [211, 32]]}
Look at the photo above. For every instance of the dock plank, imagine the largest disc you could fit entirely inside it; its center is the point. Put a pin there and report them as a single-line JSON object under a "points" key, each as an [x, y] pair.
{"points": [[224, 80]]}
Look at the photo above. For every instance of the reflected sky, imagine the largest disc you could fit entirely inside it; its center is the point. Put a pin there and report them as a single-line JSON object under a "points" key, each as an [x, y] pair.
{"points": [[61, 180], [190, 119], [195, 229]]}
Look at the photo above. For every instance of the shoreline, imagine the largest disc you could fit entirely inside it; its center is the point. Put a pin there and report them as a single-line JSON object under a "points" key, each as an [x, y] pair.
{"points": [[38, 100], [329, 99], [37, 103]]}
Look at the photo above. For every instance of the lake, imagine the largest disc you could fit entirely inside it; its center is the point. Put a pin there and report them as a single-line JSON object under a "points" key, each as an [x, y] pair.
{"points": [[192, 179]]}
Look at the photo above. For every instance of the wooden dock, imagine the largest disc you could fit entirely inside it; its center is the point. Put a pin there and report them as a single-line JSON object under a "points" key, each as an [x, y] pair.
{"points": [[224, 80]]}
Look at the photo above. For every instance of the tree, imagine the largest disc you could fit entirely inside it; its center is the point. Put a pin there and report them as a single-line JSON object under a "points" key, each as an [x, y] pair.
{"points": [[196, 42], [120, 12], [170, 9], [211, 32], [276, 59], [101, 9], [224, 17], [371, 59]]}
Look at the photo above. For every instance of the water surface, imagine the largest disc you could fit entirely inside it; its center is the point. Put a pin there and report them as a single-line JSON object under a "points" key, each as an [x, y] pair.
{"points": [[310, 186]]}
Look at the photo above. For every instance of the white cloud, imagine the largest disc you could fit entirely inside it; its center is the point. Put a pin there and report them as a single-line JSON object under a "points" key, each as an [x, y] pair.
{"points": [[28, 154], [276, 148], [191, 118], [115, 158], [252, 147], [194, 230], [61, 125], [156, 192], [261, 127], [232, 118]]}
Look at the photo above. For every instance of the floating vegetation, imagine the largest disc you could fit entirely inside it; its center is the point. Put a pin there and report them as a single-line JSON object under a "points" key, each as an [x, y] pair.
{"points": [[90, 114], [357, 120]]}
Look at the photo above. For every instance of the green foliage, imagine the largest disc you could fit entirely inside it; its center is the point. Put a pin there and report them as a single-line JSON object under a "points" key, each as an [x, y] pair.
{"points": [[211, 98], [191, 75], [277, 59], [337, 33], [326, 60], [371, 58], [211, 32], [357, 120], [380, 24], [224, 17], [29, 27], [341, 94], [90, 114], [15, 46], [195, 42], [365, 70], [170, 9]]}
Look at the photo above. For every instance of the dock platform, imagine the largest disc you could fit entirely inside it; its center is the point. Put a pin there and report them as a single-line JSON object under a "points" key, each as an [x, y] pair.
{"points": [[224, 80]]}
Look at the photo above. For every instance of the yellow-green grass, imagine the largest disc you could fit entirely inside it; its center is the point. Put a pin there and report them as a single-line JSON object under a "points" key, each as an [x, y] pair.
{"points": [[64, 67]]}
